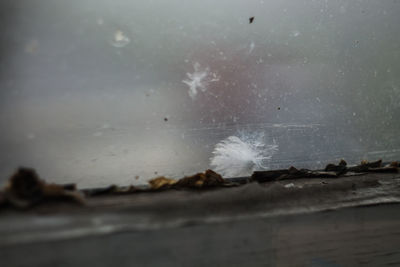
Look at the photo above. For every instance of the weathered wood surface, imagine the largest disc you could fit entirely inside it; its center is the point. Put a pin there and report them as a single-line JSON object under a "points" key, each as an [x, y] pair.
{"points": [[350, 237], [273, 224]]}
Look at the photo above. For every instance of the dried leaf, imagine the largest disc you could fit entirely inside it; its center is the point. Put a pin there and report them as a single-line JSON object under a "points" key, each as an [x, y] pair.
{"points": [[374, 164], [394, 164], [161, 183], [201, 180]]}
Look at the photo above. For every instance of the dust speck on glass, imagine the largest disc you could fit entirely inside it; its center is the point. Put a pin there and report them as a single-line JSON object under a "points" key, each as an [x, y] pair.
{"points": [[117, 92]]}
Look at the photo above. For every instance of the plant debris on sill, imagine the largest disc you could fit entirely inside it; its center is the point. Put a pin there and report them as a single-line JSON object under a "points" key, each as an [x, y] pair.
{"points": [[112, 189], [330, 171], [200, 180], [25, 189], [161, 183]]}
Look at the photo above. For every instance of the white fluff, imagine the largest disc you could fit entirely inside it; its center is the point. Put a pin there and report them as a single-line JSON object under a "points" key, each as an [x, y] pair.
{"points": [[234, 156], [199, 79]]}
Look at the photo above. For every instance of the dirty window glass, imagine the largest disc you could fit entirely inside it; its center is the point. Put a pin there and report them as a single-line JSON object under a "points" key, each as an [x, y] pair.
{"points": [[101, 92]]}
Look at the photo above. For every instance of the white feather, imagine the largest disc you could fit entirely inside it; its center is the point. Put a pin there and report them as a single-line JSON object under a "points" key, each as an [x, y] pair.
{"points": [[235, 156]]}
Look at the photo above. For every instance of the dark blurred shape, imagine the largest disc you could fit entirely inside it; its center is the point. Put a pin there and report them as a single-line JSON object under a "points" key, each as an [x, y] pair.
{"points": [[251, 19], [25, 184], [341, 168], [100, 191], [25, 189]]}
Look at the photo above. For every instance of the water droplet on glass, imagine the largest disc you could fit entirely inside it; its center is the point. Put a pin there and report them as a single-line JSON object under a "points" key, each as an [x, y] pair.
{"points": [[120, 39], [296, 33]]}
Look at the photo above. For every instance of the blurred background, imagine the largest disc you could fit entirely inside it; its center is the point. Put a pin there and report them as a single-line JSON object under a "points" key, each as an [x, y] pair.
{"points": [[117, 92]]}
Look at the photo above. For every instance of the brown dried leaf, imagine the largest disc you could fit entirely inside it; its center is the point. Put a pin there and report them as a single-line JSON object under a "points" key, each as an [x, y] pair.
{"points": [[394, 164], [161, 183], [374, 164], [201, 180]]}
